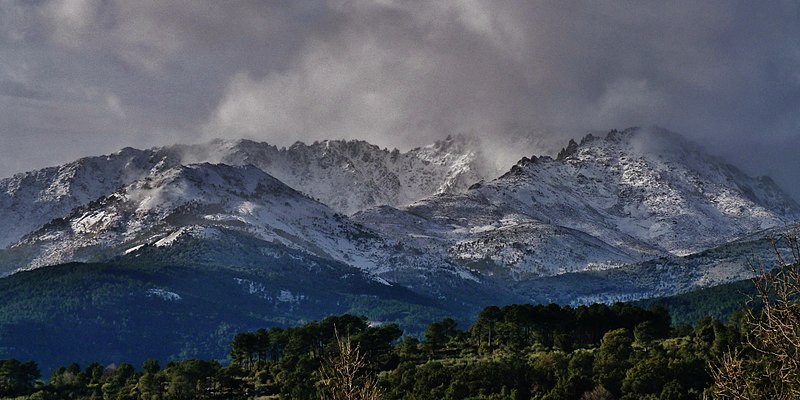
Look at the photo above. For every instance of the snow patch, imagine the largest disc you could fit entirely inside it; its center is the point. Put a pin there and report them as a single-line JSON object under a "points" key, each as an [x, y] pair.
{"points": [[132, 249], [163, 294]]}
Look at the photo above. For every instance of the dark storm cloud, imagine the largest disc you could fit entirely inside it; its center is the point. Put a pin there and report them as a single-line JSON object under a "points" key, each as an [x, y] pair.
{"points": [[104, 74]]}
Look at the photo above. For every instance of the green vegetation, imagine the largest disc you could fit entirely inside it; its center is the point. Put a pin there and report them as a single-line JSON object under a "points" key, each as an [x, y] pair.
{"points": [[113, 313], [100, 320], [513, 352], [128, 319], [719, 302]]}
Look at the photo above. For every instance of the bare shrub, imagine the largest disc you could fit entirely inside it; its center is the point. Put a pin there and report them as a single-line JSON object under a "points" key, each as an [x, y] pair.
{"points": [[343, 375], [768, 367]]}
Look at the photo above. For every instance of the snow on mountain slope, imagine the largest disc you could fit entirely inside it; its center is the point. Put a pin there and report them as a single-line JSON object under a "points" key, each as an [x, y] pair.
{"points": [[665, 276], [346, 175], [204, 203], [490, 240], [628, 197], [623, 199], [195, 200], [350, 176], [29, 200], [649, 184]]}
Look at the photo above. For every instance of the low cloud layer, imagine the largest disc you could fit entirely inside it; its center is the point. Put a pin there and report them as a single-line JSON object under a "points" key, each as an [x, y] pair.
{"points": [[80, 77]]}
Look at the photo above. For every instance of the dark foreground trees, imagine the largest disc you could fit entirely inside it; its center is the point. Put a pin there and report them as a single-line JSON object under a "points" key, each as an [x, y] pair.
{"points": [[17, 378], [511, 352]]}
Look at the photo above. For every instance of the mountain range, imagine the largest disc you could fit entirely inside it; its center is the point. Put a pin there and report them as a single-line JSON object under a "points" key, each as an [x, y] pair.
{"points": [[603, 203], [628, 215]]}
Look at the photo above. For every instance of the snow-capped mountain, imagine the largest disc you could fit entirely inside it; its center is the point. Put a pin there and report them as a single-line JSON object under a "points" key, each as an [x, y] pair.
{"points": [[203, 240], [31, 199], [195, 200], [243, 218], [601, 204], [351, 176], [346, 175], [627, 197]]}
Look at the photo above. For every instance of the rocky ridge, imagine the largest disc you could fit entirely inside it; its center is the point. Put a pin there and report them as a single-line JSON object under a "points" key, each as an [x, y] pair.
{"points": [[426, 219]]}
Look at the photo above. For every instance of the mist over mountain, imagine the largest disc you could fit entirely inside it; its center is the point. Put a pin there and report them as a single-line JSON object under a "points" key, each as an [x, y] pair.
{"points": [[348, 176], [623, 198], [82, 77]]}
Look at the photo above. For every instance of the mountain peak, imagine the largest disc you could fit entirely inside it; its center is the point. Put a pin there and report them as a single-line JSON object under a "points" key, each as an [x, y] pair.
{"points": [[605, 201], [203, 182], [651, 183], [456, 143], [571, 148], [168, 203]]}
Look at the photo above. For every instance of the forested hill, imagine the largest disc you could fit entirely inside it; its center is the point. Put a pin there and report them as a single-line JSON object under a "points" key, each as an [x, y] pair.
{"points": [[513, 352], [629, 351], [112, 313], [719, 302], [109, 313]]}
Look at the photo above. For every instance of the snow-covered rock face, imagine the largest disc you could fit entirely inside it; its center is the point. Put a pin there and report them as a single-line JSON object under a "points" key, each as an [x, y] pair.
{"points": [[351, 176], [649, 185], [628, 197], [346, 175], [32, 199], [194, 200], [420, 219]]}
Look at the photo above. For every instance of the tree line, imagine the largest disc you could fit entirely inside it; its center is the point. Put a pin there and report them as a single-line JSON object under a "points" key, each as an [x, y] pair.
{"points": [[551, 352], [512, 352]]}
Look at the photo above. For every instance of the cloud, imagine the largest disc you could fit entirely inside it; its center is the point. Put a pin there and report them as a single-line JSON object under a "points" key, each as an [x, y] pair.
{"points": [[400, 73], [89, 77], [72, 21], [380, 81], [406, 71]]}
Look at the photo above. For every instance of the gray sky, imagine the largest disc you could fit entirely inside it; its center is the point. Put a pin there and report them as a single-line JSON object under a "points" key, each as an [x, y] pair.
{"points": [[86, 77]]}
